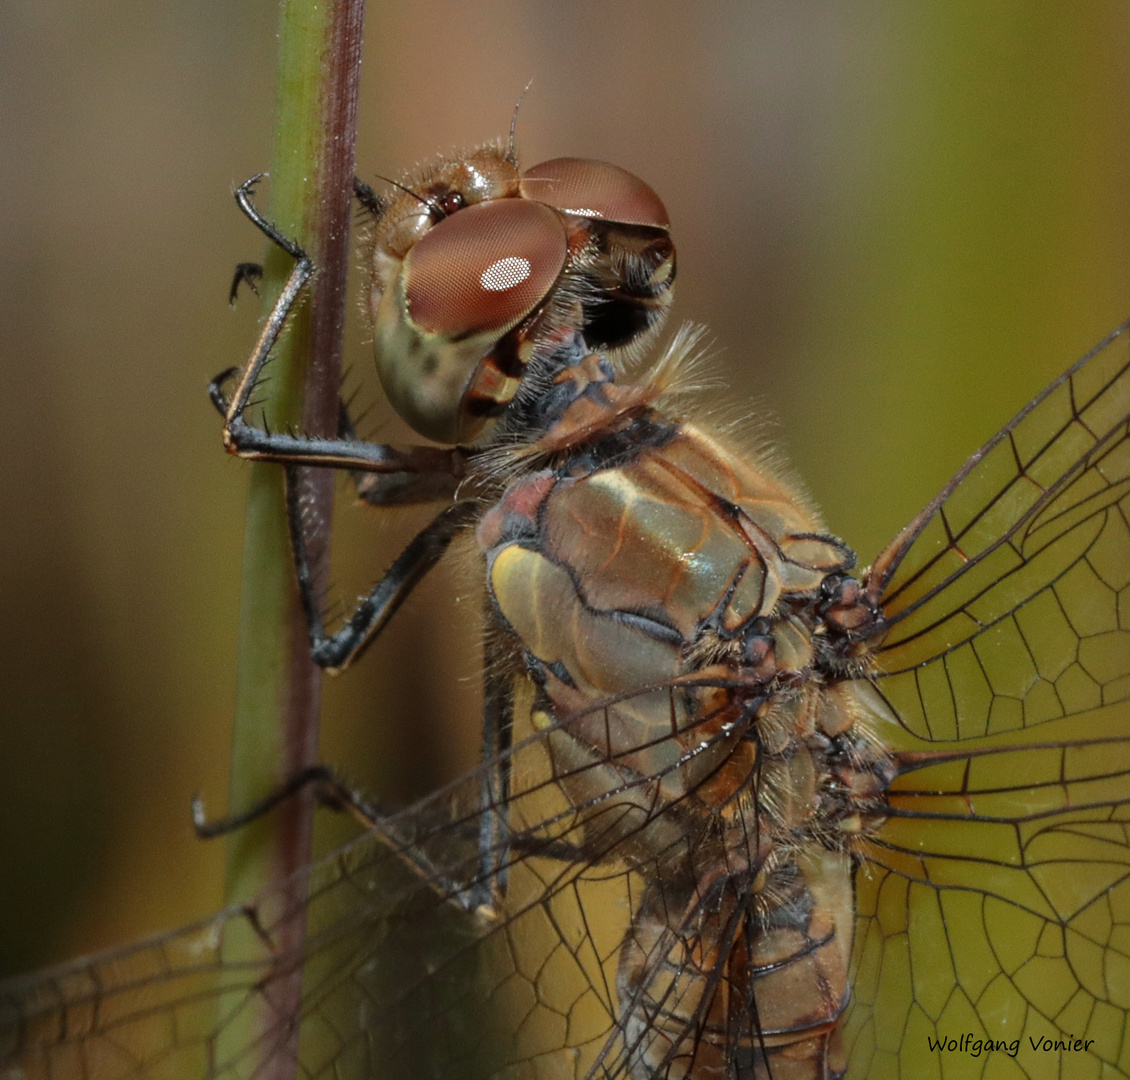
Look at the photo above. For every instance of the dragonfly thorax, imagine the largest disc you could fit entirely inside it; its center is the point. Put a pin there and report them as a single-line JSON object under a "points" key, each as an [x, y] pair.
{"points": [[684, 621]]}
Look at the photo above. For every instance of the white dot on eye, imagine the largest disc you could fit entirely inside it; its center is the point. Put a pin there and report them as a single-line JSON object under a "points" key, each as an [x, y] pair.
{"points": [[505, 274]]}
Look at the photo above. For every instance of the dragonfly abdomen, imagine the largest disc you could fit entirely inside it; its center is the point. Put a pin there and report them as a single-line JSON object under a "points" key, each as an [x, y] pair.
{"points": [[748, 981]]}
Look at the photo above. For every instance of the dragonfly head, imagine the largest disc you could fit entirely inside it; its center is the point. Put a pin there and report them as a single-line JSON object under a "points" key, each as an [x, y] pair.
{"points": [[478, 268]]}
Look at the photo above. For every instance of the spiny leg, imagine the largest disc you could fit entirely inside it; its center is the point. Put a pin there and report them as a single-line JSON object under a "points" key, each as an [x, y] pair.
{"points": [[248, 441], [370, 201], [249, 273], [335, 794], [438, 472], [427, 474], [334, 652], [472, 894], [330, 790], [383, 476], [498, 731]]}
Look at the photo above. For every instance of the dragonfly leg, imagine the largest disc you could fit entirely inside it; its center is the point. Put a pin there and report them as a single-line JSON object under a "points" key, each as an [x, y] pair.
{"points": [[335, 794], [474, 894], [368, 198], [248, 441], [334, 652], [246, 273], [383, 475], [429, 473], [330, 790], [494, 825]]}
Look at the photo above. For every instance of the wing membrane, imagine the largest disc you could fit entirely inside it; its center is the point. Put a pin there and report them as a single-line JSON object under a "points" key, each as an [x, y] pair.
{"points": [[407, 971], [1006, 598], [1005, 926], [994, 904]]}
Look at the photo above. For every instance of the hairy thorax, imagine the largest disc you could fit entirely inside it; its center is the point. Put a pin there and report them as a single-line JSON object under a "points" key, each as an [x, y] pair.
{"points": [[686, 621]]}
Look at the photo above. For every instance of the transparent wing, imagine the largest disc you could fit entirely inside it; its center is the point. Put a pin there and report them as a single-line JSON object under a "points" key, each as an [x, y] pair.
{"points": [[411, 968], [397, 974], [172, 1006], [995, 903], [1006, 597]]}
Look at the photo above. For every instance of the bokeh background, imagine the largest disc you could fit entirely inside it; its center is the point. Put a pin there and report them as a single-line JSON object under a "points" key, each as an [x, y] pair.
{"points": [[898, 220]]}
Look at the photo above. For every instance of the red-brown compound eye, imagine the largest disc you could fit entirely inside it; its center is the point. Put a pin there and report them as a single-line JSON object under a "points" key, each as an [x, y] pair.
{"points": [[594, 189], [484, 268]]}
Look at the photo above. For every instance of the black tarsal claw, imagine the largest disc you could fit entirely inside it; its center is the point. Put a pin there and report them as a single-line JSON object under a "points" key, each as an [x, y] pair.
{"points": [[246, 273], [216, 389]]}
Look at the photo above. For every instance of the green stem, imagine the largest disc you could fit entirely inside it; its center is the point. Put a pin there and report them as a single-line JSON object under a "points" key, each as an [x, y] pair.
{"points": [[278, 691]]}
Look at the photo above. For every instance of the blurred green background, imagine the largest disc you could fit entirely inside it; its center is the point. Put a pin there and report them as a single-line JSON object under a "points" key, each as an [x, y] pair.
{"points": [[898, 220]]}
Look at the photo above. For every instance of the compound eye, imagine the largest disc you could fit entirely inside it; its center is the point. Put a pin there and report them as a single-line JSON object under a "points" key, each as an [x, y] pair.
{"points": [[594, 189], [485, 268]]}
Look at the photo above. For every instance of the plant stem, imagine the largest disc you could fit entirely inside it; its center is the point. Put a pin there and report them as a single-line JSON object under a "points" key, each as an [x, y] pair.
{"points": [[278, 692]]}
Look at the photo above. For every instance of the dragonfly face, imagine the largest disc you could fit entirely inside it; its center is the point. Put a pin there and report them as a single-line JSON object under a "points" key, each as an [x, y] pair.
{"points": [[746, 815]]}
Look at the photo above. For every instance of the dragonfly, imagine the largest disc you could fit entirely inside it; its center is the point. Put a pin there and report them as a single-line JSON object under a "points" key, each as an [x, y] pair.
{"points": [[743, 811]]}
